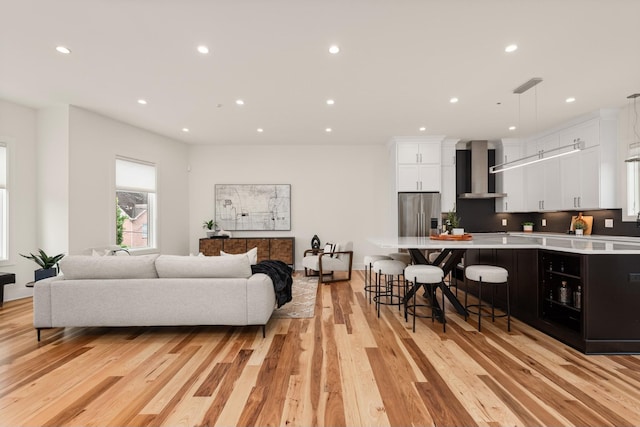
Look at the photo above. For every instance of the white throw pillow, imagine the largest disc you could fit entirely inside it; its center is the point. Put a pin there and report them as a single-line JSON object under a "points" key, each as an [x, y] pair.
{"points": [[251, 253], [109, 267], [328, 248], [176, 266]]}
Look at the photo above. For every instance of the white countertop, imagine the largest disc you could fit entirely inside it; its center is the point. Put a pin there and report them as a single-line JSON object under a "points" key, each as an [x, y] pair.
{"points": [[590, 245]]}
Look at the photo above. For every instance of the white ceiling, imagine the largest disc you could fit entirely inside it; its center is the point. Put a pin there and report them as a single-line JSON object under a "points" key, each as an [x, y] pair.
{"points": [[400, 63]]}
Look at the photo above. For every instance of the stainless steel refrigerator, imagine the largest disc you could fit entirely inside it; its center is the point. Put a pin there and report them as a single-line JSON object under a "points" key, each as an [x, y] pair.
{"points": [[418, 214]]}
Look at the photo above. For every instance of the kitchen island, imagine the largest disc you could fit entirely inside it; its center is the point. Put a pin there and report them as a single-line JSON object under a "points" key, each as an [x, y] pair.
{"points": [[602, 275]]}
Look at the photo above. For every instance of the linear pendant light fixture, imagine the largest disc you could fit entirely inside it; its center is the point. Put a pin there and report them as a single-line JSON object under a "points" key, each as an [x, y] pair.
{"points": [[541, 155]]}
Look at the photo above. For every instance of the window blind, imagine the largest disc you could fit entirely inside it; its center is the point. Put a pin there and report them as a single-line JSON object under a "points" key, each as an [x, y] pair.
{"points": [[135, 176]]}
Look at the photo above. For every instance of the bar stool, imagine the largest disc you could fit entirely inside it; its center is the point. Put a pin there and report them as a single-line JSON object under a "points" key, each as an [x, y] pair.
{"points": [[368, 265], [452, 280], [390, 269], [430, 276], [486, 275], [401, 256]]}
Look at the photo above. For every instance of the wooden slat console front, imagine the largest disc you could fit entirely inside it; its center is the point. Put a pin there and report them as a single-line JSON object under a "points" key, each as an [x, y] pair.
{"points": [[278, 248]]}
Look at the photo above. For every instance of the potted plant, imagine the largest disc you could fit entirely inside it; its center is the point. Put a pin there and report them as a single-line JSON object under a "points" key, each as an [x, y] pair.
{"points": [[452, 223], [527, 226], [211, 226], [579, 227], [48, 264]]}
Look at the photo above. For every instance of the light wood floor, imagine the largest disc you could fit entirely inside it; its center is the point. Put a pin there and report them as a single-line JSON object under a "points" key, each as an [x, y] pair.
{"points": [[343, 367]]}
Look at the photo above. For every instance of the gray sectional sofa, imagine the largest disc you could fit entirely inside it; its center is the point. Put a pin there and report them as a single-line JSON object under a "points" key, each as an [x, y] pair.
{"points": [[152, 290]]}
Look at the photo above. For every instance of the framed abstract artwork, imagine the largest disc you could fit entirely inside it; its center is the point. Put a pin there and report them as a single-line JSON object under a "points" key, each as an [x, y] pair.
{"points": [[253, 207]]}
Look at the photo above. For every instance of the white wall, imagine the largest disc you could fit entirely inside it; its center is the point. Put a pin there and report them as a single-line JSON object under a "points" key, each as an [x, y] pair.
{"points": [[94, 143], [53, 179], [18, 130], [337, 192]]}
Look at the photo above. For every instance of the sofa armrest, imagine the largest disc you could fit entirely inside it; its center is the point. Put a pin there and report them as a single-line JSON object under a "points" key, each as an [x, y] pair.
{"points": [[42, 302], [261, 299]]}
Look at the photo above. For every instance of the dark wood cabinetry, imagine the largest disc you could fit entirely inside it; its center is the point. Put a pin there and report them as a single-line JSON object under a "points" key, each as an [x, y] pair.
{"points": [[600, 313], [279, 248]]}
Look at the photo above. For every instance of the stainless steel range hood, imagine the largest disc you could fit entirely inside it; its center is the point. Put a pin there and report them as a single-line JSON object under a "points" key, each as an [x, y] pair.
{"points": [[480, 173]]}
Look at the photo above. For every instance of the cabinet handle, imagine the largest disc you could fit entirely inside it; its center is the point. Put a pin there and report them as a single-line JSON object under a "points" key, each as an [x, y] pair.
{"points": [[417, 161], [574, 202], [417, 185], [506, 206], [420, 157], [420, 185], [579, 201]]}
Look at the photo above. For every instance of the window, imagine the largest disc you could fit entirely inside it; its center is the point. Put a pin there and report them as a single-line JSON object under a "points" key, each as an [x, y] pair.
{"points": [[4, 236], [135, 204]]}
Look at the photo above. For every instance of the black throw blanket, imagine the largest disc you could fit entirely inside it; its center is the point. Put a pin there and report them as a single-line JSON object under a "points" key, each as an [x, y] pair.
{"points": [[280, 274]]}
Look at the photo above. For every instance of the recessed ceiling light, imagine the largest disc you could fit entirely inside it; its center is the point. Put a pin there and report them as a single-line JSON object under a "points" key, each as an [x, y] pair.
{"points": [[142, 102], [328, 130], [330, 102], [570, 99], [260, 130], [63, 49], [511, 48], [239, 102], [334, 49], [203, 49], [185, 129], [453, 100], [512, 128], [422, 129]]}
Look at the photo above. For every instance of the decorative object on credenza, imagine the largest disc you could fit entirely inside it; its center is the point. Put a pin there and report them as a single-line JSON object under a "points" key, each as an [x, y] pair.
{"points": [[211, 226], [48, 264], [315, 242], [527, 226], [251, 207]]}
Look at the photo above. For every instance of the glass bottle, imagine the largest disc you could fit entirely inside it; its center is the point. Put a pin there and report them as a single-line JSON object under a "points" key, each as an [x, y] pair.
{"points": [[577, 298], [563, 293]]}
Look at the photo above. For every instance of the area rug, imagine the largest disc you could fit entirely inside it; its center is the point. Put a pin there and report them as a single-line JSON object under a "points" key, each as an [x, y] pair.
{"points": [[303, 304]]}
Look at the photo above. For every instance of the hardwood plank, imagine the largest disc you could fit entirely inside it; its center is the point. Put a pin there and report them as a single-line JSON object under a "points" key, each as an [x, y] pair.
{"points": [[70, 412], [344, 366]]}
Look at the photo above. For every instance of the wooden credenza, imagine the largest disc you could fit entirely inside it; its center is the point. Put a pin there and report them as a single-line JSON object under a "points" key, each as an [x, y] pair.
{"points": [[279, 248]]}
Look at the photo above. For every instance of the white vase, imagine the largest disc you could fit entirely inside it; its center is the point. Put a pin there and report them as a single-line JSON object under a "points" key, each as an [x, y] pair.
{"points": [[457, 231], [579, 232], [528, 228]]}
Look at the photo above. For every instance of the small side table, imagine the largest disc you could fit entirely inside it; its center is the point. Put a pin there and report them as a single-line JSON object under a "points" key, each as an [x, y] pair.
{"points": [[5, 279]]}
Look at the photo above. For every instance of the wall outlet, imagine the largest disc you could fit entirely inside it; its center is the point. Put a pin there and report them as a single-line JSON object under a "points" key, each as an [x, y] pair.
{"points": [[504, 222], [544, 222], [608, 223]]}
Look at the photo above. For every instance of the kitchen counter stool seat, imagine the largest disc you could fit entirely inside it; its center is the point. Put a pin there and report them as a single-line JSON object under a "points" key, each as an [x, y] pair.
{"points": [[429, 276], [369, 286], [486, 275], [401, 256], [388, 274]]}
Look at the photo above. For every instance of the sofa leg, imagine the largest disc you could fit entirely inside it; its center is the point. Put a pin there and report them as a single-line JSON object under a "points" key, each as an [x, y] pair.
{"points": [[38, 330], [264, 331]]}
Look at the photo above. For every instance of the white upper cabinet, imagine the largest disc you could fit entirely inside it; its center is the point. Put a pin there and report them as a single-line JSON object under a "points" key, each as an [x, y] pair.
{"points": [[419, 152], [419, 164], [511, 181], [541, 180], [579, 181], [588, 180], [448, 193]]}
